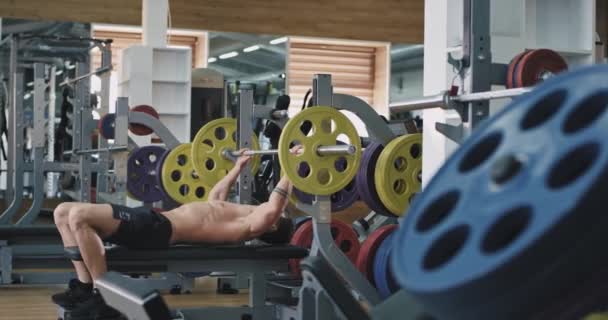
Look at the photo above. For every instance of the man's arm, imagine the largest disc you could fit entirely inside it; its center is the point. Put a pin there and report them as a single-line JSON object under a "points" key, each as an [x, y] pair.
{"points": [[222, 188], [263, 217]]}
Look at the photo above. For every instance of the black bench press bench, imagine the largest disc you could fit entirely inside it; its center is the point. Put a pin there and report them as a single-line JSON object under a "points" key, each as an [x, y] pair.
{"points": [[258, 262]]}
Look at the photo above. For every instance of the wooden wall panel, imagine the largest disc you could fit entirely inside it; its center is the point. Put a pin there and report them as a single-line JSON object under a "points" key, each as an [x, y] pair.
{"points": [[381, 20], [357, 68], [122, 40]]}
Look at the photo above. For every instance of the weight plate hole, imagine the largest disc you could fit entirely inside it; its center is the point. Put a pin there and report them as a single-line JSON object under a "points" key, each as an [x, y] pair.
{"points": [[345, 246], [326, 126], [506, 230], [334, 232], [439, 209], [481, 152], [307, 128], [176, 175], [209, 164], [152, 157], [303, 169], [200, 192], [573, 165], [294, 143], [220, 133], [341, 164], [445, 248], [194, 175], [399, 186], [342, 139], [400, 164], [184, 189], [415, 150], [543, 110], [208, 142], [323, 176], [182, 159], [586, 112]]}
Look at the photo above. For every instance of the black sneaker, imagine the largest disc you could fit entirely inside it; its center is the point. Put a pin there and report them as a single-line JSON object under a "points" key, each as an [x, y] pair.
{"points": [[76, 293], [93, 308]]}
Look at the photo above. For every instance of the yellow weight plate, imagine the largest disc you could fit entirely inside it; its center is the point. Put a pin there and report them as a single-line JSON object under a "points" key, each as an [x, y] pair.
{"points": [[308, 171], [398, 172], [208, 147], [179, 179]]}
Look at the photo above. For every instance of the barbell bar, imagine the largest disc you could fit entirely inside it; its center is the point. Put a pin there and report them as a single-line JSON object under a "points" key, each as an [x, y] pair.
{"points": [[89, 151], [348, 149], [442, 100]]}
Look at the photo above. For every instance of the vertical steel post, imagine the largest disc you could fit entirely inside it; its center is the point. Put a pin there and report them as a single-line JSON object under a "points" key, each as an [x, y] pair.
{"points": [[244, 135], [52, 178], [477, 41], [85, 117], [37, 145], [15, 152]]}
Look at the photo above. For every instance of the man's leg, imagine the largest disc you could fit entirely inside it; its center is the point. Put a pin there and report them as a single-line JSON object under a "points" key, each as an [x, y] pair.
{"points": [[89, 224], [61, 215]]}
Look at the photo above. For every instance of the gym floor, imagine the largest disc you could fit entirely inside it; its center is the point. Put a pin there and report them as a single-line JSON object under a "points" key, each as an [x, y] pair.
{"points": [[34, 303]]}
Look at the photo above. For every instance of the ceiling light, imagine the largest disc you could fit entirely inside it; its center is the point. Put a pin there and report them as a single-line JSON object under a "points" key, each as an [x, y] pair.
{"points": [[252, 48], [30, 84], [278, 40], [212, 60], [229, 55], [27, 96], [58, 73]]}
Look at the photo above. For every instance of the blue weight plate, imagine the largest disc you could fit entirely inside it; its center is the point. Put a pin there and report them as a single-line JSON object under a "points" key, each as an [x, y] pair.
{"points": [[383, 278], [513, 218]]}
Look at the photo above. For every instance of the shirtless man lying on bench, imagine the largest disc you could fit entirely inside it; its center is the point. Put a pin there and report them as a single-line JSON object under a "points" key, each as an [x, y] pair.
{"points": [[87, 226]]}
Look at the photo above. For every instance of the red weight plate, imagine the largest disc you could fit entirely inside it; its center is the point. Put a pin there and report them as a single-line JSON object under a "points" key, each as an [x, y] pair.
{"points": [[345, 237], [138, 129], [536, 64], [365, 259], [511, 70]]}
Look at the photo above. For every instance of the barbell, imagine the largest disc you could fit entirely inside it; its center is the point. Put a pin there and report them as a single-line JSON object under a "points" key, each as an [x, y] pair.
{"points": [[313, 169], [321, 150]]}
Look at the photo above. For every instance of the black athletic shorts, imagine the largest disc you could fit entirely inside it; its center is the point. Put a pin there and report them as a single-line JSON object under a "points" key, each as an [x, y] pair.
{"points": [[140, 228]]}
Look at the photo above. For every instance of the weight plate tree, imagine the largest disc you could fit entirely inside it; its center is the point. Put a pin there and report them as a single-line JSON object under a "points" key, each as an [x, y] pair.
{"points": [[510, 225]]}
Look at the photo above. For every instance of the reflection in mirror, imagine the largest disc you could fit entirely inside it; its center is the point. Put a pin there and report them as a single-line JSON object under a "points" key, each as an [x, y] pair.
{"points": [[407, 65], [250, 61]]}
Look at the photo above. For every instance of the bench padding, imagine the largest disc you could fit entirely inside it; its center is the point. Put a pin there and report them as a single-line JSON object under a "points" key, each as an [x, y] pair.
{"points": [[201, 252]]}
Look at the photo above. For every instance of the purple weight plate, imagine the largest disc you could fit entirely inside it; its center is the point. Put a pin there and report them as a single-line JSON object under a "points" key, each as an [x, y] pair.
{"points": [[142, 173], [366, 185], [168, 202]]}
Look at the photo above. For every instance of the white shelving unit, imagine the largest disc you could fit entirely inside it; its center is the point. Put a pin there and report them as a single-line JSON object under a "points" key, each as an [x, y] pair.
{"points": [[159, 77]]}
